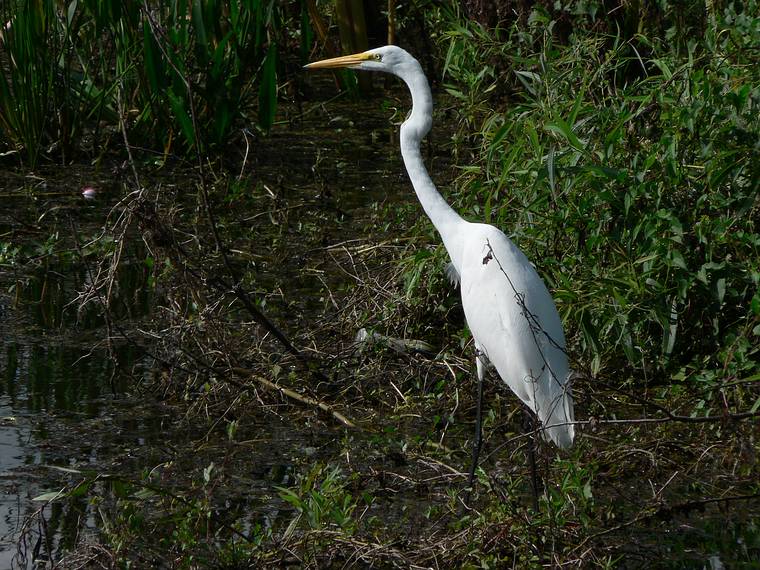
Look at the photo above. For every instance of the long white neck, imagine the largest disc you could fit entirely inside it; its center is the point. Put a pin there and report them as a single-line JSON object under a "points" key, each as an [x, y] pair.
{"points": [[414, 129]]}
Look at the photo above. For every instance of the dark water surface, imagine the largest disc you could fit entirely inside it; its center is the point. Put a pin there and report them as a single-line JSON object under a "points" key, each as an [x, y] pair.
{"points": [[56, 375]]}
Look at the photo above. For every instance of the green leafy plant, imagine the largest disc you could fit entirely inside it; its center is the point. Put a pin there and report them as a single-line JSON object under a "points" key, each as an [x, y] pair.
{"points": [[634, 189], [321, 499]]}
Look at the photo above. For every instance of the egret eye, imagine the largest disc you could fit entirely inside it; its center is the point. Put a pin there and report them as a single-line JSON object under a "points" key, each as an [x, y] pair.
{"points": [[377, 57]]}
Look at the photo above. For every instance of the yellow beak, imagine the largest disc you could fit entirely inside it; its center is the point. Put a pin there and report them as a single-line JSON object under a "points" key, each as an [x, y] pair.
{"points": [[342, 61]]}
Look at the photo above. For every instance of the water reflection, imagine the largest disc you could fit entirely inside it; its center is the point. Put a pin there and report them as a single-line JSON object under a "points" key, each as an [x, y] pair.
{"points": [[55, 372]]}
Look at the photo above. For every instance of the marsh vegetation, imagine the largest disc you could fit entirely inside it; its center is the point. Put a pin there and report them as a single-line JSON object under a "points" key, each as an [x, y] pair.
{"points": [[250, 221]]}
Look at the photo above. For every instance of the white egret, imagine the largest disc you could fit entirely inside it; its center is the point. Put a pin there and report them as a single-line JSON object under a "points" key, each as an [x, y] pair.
{"points": [[512, 317]]}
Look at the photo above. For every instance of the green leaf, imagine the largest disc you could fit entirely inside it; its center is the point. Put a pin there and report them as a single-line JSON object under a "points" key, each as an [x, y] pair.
{"points": [[81, 489], [560, 127], [550, 169], [456, 93], [144, 493], [663, 67], [530, 81], [605, 172], [499, 136], [576, 106], [182, 116], [50, 496], [307, 35], [677, 259], [268, 89], [71, 12], [207, 472], [200, 26], [153, 62], [65, 469], [720, 286]]}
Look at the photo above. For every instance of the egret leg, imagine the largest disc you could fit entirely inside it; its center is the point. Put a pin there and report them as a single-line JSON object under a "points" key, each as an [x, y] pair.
{"points": [[536, 484], [477, 440]]}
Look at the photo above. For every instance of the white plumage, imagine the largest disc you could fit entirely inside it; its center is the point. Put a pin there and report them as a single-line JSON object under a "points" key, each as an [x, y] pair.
{"points": [[510, 312]]}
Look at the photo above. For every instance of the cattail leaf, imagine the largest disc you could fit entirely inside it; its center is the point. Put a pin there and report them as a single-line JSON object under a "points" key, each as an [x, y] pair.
{"points": [[268, 88]]}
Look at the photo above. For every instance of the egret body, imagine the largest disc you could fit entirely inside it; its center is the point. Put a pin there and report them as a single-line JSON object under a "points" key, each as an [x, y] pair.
{"points": [[512, 317]]}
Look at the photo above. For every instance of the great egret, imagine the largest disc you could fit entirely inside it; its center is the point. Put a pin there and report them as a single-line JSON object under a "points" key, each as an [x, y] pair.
{"points": [[511, 315]]}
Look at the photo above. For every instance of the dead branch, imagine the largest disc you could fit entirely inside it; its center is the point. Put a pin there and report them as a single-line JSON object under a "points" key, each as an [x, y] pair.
{"points": [[305, 400]]}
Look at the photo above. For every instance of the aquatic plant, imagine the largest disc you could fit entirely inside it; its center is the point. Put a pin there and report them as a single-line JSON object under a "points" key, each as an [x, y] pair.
{"points": [[179, 75]]}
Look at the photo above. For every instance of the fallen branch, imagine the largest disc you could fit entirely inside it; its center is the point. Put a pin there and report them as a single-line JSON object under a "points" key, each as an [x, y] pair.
{"points": [[686, 506], [675, 418], [294, 396]]}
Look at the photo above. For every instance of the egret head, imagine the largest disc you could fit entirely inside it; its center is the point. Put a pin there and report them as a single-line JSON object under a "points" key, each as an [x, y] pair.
{"points": [[390, 59], [394, 60]]}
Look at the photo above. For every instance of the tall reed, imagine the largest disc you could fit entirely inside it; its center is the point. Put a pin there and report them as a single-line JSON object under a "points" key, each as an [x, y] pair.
{"points": [[181, 71]]}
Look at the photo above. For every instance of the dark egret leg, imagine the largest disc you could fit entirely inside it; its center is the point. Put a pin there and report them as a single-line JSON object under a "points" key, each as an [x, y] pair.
{"points": [[477, 440], [529, 427]]}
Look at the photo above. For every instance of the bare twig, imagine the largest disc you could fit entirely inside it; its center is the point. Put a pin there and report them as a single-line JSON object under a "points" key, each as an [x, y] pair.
{"points": [[294, 395]]}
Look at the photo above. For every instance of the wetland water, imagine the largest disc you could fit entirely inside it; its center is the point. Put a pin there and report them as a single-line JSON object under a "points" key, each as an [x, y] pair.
{"points": [[67, 409], [62, 404]]}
